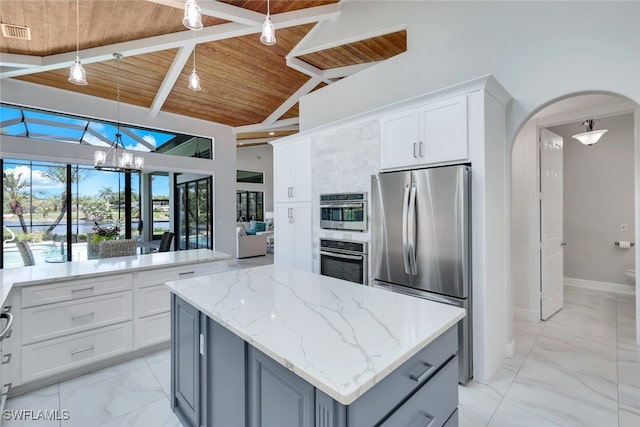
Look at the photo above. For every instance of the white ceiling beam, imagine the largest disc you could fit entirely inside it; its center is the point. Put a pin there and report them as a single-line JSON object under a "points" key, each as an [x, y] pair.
{"points": [[137, 47], [170, 78], [286, 124], [220, 10], [291, 101], [334, 73], [306, 68], [19, 61]]}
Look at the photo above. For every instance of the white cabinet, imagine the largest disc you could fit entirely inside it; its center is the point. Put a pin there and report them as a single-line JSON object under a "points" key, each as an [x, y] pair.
{"points": [[292, 230], [429, 134], [292, 171]]}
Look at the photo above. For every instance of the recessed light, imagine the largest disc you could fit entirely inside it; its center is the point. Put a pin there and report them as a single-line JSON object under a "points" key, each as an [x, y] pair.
{"points": [[271, 133]]}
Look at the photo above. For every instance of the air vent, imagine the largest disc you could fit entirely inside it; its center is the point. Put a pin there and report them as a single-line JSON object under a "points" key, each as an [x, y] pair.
{"points": [[16, 32]]}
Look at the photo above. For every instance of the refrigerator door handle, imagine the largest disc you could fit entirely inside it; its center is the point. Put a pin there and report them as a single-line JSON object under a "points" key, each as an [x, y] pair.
{"points": [[405, 208], [412, 231]]}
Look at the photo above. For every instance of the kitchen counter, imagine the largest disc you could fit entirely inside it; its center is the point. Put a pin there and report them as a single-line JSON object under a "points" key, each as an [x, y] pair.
{"points": [[340, 337], [51, 273]]}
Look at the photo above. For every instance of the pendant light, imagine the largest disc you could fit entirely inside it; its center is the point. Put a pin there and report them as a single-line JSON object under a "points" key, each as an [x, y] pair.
{"points": [[77, 73], [127, 162], [591, 136], [194, 80], [192, 15], [268, 36]]}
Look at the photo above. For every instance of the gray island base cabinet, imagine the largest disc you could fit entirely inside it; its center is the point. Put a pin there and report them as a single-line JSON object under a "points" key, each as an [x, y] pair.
{"points": [[218, 379]]}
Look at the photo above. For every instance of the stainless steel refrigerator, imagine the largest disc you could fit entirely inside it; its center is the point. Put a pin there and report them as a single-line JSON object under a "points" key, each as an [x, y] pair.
{"points": [[420, 241]]}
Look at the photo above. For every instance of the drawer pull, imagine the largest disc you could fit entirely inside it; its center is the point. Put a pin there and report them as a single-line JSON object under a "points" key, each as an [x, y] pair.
{"points": [[90, 289], [6, 358], [78, 316], [423, 418], [186, 273], [82, 350], [8, 386], [424, 374], [7, 308], [7, 329]]}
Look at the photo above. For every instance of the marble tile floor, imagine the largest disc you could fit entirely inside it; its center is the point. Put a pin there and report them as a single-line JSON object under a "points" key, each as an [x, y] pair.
{"points": [[580, 368]]}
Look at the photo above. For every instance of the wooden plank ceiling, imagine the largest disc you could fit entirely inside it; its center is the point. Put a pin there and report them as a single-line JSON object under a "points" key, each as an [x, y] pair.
{"points": [[243, 81]]}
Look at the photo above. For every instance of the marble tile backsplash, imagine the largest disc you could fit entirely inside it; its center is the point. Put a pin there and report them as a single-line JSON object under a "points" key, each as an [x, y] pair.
{"points": [[342, 161]]}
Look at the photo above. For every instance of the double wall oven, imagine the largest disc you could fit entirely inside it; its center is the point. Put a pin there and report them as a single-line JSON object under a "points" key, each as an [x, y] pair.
{"points": [[346, 260]]}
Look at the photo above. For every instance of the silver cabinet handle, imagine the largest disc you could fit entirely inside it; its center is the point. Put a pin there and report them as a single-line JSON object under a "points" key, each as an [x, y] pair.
{"points": [[290, 191], [186, 273], [420, 149], [424, 374], [8, 386], [78, 316], [6, 358], [7, 328], [82, 350], [414, 150], [90, 288], [290, 215], [563, 243]]}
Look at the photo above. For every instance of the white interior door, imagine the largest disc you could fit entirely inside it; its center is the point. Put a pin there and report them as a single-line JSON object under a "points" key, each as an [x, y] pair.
{"points": [[551, 217]]}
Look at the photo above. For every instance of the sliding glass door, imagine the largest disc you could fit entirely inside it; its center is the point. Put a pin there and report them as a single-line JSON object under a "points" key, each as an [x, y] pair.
{"points": [[194, 214]]}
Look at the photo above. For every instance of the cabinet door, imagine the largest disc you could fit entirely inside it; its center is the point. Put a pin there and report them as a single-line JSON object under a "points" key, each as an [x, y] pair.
{"points": [[225, 377], [399, 136], [185, 393], [277, 397], [302, 237], [301, 171], [283, 235], [282, 158], [443, 131]]}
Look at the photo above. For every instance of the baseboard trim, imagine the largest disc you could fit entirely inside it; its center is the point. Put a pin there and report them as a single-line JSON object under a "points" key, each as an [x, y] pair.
{"points": [[510, 349], [620, 288], [526, 314]]}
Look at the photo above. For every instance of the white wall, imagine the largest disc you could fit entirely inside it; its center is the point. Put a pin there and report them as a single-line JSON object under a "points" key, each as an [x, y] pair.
{"points": [[598, 199], [539, 51], [525, 226], [258, 159], [222, 167]]}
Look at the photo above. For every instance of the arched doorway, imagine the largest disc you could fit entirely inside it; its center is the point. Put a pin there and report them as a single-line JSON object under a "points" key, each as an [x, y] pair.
{"points": [[528, 268]]}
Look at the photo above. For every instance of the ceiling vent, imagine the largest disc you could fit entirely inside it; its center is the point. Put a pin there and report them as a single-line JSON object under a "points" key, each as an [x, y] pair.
{"points": [[16, 32]]}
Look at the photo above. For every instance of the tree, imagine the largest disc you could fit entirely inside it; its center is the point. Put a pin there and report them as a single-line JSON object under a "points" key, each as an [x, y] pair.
{"points": [[14, 185], [59, 174]]}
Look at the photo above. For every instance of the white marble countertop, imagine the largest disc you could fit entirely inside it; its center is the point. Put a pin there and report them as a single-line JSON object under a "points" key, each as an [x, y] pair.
{"points": [[54, 272], [339, 336]]}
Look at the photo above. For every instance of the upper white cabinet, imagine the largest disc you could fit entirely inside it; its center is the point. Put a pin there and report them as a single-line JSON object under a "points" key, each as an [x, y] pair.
{"points": [[292, 171], [432, 133]]}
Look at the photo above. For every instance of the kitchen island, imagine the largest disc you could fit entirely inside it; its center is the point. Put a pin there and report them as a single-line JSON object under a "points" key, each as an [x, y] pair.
{"points": [[76, 317], [272, 346]]}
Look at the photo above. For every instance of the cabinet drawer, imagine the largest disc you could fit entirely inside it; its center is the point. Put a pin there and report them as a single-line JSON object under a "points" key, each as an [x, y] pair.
{"points": [[153, 330], [45, 294], [152, 300], [55, 320], [432, 404], [375, 404], [161, 275], [62, 354]]}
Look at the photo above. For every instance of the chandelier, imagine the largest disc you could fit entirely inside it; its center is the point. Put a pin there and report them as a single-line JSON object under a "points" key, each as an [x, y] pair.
{"points": [[109, 160], [591, 136]]}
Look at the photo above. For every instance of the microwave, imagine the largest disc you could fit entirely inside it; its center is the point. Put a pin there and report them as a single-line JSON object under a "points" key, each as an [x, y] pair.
{"points": [[343, 211]]}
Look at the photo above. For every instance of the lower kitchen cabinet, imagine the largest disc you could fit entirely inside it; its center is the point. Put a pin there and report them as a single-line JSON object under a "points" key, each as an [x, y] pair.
{"points": [[277, 396], [231, 383]]}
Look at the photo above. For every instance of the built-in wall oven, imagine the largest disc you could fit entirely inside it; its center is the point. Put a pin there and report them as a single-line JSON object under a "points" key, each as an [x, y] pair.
{"points": [[343, 211], [346, 260]]}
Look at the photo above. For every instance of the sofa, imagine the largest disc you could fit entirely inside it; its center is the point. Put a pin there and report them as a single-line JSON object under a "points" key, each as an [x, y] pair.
{"points": [[249, 244]]}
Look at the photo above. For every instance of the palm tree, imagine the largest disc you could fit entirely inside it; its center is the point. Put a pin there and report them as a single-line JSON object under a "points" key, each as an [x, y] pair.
{"points": [[59, 174], [14, 185]]}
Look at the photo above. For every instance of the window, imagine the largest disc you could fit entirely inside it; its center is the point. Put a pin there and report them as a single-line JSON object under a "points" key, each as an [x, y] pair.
{"points": [[249, 206], [249, 177]]}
